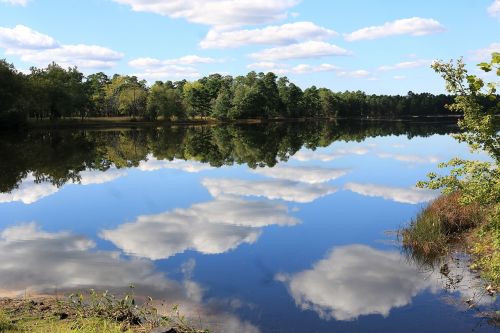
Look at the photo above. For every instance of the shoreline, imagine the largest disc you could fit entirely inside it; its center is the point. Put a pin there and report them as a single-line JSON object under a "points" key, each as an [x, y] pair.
{"points": [[125, 122]]}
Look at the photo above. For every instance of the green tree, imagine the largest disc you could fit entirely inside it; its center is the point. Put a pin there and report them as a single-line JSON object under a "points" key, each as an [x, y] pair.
{"points": [[477, 181]]}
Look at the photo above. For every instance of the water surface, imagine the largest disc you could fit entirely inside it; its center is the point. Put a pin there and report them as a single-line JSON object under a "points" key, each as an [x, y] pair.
{"points": [[250, 228]]}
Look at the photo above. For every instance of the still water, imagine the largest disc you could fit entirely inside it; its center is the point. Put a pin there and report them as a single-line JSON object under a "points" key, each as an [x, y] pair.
{"points": [[249, 228]]}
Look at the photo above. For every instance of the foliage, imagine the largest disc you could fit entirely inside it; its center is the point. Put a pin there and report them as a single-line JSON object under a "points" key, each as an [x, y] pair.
{"points": [[55, 92], [478, 181]]}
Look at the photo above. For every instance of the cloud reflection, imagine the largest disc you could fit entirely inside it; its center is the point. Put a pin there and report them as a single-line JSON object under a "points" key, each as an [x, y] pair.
{"points": [[272, 189], [153, 164], [310, 155], [308, 174], [36, 261], [356, 280], [409, 158], [410, 195], [30, 192], [211, 228]]}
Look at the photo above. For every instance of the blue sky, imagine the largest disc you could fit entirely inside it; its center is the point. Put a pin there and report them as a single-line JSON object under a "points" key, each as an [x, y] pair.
{"points": [[382, 46]]}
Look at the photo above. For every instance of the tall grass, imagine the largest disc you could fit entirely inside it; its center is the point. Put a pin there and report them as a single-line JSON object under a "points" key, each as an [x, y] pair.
{"points": [[443, 221]]}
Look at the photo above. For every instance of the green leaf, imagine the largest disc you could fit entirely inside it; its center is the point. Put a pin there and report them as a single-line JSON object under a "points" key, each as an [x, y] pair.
{"points": [[485, 66]]}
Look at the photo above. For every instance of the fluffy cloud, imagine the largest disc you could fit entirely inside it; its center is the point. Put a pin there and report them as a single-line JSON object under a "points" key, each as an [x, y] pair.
{"points": [[272, 35], [24, 38], [485, 53], [357, 74], [356, 280], [310, 49], [220, 13], [406, 65], [414, 159], [310, 175], [34, 47], [153, 164], [415, 26], [272, 189], [41, 262], [304, 68], [309, 155], [494, 9], [186, 60], [410, 195], [156, 69], [212, 227], [16, 2], [298, 69]]}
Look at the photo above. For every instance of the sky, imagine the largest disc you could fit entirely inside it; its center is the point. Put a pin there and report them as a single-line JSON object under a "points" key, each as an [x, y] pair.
{"points": [[380, 47]]}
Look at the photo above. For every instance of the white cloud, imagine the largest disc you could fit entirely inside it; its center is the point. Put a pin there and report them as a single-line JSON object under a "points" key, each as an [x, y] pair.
{"points": [[494, 9], [272, 189], [356, 280], [21, 37], [415, 26], [153, 164], [220, 13], [414, 159], [304, 68], [308, 174], [84, 56], [357, 74], [168, 73], [185, 60], [399, 77], [309, 155], [406, 65], [34, 47], [311, 49], [155, 69], [298, 69], [34, 261], [285, 34], [485, 53], [410, 195], [210, 228], [16, 2]]}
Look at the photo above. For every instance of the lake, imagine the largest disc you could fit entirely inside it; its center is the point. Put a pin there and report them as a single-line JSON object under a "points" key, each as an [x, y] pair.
{"points": [[278, 227]]}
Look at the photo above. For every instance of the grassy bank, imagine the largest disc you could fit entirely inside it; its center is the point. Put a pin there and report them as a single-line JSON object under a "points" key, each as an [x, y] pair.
{"points": [[90, 313], [446, 224]]}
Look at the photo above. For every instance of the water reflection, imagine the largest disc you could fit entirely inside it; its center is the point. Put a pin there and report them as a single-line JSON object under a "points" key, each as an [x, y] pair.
{"points": [[207, 216], [60, 156], [35, 261], [32, 189], [210, 228], [307, 174], [272, 189], [410, 195], [358, 280]]}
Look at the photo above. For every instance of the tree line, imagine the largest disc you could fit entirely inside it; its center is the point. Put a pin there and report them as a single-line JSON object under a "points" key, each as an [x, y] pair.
{"points": [[55, 92]]}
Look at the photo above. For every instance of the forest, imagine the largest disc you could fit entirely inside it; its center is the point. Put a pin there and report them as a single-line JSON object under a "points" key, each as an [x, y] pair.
{"points": [[55, 92]]}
